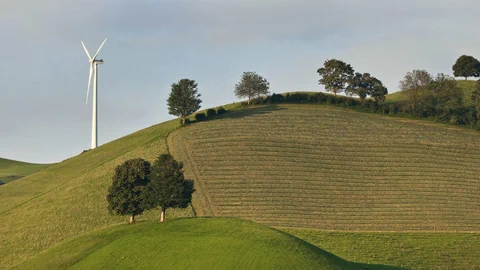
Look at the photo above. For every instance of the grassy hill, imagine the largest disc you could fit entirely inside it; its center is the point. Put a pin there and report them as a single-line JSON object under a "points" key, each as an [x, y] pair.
{"points": [[467, 86], [11, 170], [200, 243], [68, 198], [312, 166], [324, 167]]}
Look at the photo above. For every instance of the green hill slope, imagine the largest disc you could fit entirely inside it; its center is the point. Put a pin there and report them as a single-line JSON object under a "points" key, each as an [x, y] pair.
{"points": [[187, 244], [11, 170], [68, 198], [330, 168], [467, 86]]}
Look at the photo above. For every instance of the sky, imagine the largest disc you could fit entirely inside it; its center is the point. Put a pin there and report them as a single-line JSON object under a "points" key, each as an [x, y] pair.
{"points": [[152, 44]]}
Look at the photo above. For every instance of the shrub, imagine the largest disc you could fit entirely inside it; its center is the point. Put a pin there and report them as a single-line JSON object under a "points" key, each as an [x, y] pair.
{"points": [[277, 98], [211, 113], [200, 117], [393, 109], [330, 99], [340, 100], [221, 110], [321, 98], [350, 102]]}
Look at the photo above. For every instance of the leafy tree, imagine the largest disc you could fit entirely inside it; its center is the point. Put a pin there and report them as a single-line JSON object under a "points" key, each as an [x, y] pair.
{"points": [[376, 89], [125, 194], [476, 99], [466, 66], [358, 86], [251, 85], [184, 99], [364, 84], [335, 75], [414, 83], [446, 96], [167, 187]]}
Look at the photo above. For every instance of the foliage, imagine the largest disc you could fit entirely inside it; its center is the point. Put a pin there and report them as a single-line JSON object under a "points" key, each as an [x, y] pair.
{"points": [[200, 117], [335, 75], [476, 98], [466, 66], [364, 85], [251, 85], [221, 110], [125, 194], [211, 112], [184, 98], [167, 187], [413, 85]]}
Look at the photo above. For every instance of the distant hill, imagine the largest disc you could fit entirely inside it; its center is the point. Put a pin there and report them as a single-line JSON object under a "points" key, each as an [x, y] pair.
{"points": [[467, 86], [11, 170], [198, 243]]}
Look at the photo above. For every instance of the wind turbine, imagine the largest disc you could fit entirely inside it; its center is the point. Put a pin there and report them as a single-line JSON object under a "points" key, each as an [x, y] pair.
{"points": [[93, 68]]}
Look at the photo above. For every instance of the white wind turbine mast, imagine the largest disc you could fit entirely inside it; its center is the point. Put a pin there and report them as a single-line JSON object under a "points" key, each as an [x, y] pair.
{"points": [[93, 68]]}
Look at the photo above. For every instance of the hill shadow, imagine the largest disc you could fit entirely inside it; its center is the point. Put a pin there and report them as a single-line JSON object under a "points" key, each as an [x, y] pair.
{"points": [[379, 267], [248, 111]]}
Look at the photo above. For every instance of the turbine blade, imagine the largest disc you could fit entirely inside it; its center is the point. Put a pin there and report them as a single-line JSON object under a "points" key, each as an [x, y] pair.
{"points": [[86, 51], [99, 49], [89, 81]]}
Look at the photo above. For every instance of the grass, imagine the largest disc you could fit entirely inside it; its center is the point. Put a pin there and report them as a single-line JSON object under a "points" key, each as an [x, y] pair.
{"points": [[316, 166], [200, 243], [467, 86], [410, 250], [11, 170], [68, 198]]}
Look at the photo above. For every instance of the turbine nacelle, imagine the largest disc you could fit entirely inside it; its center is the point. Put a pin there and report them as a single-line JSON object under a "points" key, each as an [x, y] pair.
{"points": [[92, 60]]}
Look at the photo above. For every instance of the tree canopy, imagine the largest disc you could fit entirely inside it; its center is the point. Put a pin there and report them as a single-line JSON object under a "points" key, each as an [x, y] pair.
{"points": [[466, 66], [364, 85], [125, 194], [184, 99], [335, 75], [412, 84], [167, 187], [251, 85]]}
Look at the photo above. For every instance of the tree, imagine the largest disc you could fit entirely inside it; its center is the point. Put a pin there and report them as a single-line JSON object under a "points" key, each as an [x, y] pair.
{"points": [[167, 187], [365, 84], [357, 86], [446, 96], [125, 194], [413, 83], [184, 99], [335, 75], [251, 85], [476, 99], [376, 89], [466, 66]]}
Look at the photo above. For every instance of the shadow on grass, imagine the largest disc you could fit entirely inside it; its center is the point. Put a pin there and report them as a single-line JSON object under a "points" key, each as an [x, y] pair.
{"points": [[379, 267], [245, 111]]}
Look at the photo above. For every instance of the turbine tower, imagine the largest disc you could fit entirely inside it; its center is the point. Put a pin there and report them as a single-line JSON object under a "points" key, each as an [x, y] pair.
{"points": [[93, 68]]}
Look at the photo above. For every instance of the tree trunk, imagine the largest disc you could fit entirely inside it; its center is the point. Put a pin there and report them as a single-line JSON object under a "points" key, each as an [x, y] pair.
{"points": [[183, 120], [132, 219], [466, 78], [162, 215], [248, 100]]}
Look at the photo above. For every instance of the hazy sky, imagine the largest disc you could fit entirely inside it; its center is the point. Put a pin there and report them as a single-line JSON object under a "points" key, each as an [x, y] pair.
{"points": [[151, 44]]}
